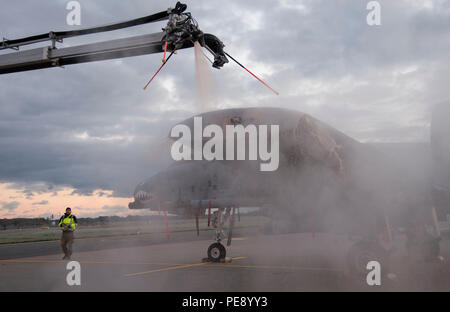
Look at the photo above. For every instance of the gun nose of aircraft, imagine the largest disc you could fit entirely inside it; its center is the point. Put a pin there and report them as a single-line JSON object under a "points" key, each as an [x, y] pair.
{"points": [[142, 196]]}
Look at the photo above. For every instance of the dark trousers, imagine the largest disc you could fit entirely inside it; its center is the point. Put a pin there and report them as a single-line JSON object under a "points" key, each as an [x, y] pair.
{"points": [[66, 243]]}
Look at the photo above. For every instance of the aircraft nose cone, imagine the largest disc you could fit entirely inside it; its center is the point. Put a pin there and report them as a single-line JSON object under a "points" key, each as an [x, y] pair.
{"points": [[142, 195]]}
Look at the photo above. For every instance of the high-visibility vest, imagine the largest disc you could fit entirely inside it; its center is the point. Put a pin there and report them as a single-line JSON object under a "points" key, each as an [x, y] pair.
{"points": [[69, 220]]}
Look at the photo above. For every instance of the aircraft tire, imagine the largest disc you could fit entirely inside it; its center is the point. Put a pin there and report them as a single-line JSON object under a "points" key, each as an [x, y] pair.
{"points": [[216, 251]]}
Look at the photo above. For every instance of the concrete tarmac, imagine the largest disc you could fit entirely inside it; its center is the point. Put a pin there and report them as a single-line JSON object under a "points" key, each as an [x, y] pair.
{"points": [[151, 262]]}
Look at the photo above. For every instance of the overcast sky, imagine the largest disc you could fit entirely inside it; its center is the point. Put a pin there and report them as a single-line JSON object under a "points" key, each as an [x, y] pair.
{"points": [[84, 136]]}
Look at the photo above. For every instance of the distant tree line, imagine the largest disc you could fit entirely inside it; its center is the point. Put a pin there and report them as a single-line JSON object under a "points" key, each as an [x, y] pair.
{"points": [[22, 223]]}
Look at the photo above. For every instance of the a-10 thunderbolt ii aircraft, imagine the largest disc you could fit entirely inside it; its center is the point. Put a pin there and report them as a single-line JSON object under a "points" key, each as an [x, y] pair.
{"points": [[324, 181]]}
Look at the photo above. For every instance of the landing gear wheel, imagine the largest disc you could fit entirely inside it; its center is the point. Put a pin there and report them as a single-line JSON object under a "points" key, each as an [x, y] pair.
{"points": [[361, 253], [216, 252]]}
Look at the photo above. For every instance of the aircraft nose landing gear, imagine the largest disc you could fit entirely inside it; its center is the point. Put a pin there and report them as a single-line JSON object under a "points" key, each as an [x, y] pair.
{"points": [[216, 251]]}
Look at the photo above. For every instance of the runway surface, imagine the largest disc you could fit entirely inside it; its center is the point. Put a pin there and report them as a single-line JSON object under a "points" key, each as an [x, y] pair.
{"points": [[151, 262]]}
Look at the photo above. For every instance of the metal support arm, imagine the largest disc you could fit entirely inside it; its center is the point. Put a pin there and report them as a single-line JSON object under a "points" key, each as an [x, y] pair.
{"points": [[46, 57], [181, 32]]}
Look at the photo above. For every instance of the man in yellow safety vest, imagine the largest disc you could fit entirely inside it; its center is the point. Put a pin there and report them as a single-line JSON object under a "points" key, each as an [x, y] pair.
{"points": [[68, 223]]}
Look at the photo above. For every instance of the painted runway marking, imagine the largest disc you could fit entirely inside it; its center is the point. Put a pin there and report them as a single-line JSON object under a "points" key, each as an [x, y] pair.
{"points": [[274, 267], [166, 269], [32, 261], [173, 266], [87, 262], [176, 267]]}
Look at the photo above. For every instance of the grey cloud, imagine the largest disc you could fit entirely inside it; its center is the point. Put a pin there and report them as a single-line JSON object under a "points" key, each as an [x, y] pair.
{"points": [[10, 206], [114, 209], [42, 202], [91, 126]]}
